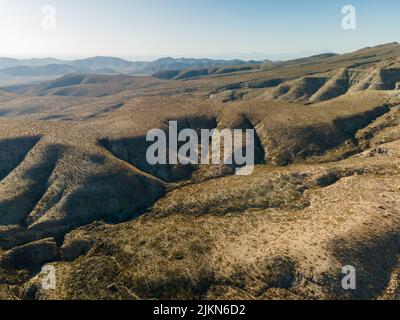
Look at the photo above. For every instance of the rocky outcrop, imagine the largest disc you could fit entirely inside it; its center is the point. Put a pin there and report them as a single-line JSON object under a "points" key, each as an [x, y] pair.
{"points": [[298, 90], [380, 79], [335, 84]]}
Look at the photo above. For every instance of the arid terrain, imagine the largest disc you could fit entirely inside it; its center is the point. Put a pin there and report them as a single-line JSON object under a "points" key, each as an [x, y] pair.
{"points": [[77, 193]]}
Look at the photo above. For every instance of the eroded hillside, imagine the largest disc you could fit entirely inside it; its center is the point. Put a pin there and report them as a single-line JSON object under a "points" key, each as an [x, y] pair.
{"points": [[77, 193]]}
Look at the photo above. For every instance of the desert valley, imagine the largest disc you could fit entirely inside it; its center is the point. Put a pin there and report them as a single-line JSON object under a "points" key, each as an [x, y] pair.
{"points": [[77, 194]]}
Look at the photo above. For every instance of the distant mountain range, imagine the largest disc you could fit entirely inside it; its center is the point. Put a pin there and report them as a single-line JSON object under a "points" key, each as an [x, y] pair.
{"points": [[49, 67]]}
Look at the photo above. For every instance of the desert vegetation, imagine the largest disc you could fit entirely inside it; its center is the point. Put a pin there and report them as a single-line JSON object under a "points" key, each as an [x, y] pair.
{"points": [[77, 194]]}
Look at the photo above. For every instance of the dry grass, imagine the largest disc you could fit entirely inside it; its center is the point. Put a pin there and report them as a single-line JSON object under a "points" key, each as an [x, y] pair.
{"points": [[325, 192]]}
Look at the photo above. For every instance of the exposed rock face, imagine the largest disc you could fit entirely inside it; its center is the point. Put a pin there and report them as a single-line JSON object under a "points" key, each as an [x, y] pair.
{"points": [[299, 90], [334, 84], [383, 79]]}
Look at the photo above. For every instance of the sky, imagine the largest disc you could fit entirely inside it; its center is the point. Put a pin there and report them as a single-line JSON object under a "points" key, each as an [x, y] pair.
{"points": [[147, 29]]}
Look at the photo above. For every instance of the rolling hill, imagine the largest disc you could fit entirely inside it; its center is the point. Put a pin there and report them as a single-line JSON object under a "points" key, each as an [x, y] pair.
{"points": [[77, 193], [33, 70]]}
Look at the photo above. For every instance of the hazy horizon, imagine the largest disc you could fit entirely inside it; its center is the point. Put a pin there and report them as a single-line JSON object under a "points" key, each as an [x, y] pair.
{"points": [[228, 56]]}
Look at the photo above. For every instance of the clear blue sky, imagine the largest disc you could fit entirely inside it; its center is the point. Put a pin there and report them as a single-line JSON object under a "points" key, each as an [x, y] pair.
{"points": [[214, 28]]}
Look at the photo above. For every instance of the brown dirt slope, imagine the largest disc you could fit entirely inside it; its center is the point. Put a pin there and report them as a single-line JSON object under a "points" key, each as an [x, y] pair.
{"points": [[77, 192]]}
